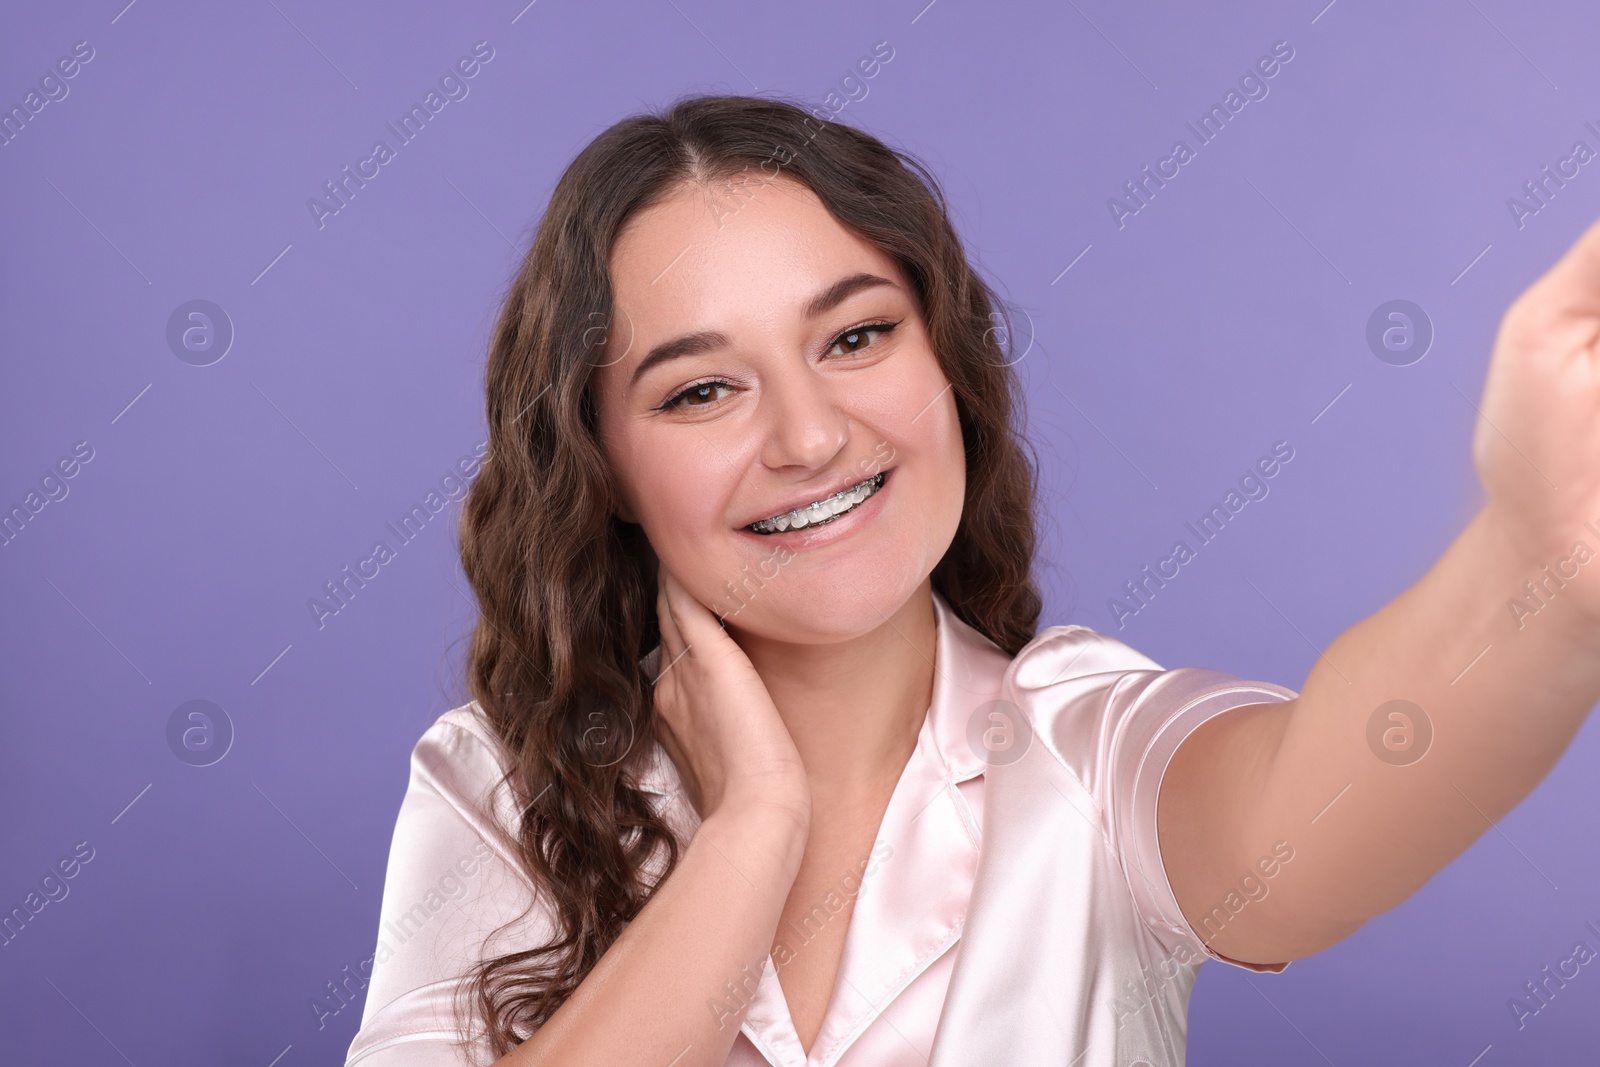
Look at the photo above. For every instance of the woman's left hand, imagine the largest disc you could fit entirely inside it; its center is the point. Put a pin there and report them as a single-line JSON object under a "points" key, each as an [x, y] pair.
{"points": [[1485, 712], [1537, 446]]}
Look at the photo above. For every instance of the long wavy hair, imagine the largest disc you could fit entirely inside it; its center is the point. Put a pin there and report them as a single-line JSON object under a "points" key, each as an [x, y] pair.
{"points": [[567, 591]]}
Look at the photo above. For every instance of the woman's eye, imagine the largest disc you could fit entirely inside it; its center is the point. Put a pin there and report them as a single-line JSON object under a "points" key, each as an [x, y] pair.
{"points": [[701, 395], [704, 394], [855, 340]]}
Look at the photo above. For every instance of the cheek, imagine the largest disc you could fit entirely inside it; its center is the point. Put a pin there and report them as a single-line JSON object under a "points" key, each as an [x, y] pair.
{"points": [[681, 487], [945, 435], [675, 505], [916, 427], [907, 395], [922, 415], [950, 465]]}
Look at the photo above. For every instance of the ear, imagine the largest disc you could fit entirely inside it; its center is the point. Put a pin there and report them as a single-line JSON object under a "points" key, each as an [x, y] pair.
{"points": [[624, 512]]}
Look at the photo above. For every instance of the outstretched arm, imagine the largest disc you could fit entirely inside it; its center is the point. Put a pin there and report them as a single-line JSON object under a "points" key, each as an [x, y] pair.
{"points": [[1495, 650]]}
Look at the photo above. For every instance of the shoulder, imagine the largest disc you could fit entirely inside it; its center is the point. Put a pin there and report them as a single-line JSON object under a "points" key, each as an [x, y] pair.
{"points": [[1070, 682], [1074, 651], [1105, 710], [460, 759], [1066, 672], [461, 728], [455, 893], [1112, 718]]}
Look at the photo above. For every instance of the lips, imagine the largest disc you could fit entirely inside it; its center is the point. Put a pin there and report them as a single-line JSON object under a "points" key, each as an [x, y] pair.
{"points": [[824, 511], [817, 496]]}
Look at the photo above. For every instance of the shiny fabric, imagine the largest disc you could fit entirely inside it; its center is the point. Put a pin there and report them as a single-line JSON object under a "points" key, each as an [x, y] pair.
{"points": [[1014, 910]]}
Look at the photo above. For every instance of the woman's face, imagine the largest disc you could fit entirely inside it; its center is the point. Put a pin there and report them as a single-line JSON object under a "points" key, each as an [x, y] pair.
{"points": [[786, 376]]}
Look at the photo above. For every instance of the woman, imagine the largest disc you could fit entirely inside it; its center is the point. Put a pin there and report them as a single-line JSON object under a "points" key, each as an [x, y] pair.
{"points": [[766, 762]]}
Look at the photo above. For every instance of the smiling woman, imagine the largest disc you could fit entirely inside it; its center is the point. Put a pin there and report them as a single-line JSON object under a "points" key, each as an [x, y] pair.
{"points": [[676, 763], [676, 767]]}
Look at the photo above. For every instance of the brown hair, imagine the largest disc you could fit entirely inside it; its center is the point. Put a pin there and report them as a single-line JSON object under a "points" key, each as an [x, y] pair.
{"points": [[567, 591]]}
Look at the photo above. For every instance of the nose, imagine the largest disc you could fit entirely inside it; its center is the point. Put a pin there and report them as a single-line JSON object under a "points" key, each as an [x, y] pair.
{"points": [[805, 427]]}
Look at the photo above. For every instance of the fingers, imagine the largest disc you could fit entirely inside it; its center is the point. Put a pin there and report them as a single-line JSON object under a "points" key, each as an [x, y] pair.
{"points": [[671, 636], [689, 616], [1572, 285]]}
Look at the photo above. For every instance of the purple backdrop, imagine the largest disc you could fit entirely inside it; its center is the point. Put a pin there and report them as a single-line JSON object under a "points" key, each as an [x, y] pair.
{"points": [[234, 456]]}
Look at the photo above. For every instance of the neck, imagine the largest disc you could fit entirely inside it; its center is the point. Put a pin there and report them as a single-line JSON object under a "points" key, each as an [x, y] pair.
{"points": [[854, 708]]}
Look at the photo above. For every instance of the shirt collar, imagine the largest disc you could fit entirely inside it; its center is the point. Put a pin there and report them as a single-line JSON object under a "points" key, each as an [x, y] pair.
{"points": [[966, 682]]}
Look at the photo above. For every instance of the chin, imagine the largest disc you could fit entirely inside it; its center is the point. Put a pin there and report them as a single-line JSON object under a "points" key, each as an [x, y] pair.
{"points": [[823, 608]]}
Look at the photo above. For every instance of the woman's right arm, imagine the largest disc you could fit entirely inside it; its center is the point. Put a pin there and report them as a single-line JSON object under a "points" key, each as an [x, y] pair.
{"points": [[674, 987]]}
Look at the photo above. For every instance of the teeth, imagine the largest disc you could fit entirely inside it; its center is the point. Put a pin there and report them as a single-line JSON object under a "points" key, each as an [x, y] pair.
{"points": [[822, 511]]}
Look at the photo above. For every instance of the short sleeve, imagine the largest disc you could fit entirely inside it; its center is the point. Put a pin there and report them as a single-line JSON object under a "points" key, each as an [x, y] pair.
{"points": [[452, 880], [1115, 718]]}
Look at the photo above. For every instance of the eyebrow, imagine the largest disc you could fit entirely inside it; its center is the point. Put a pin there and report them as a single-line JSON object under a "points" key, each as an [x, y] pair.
{"points": [[694, 344]]}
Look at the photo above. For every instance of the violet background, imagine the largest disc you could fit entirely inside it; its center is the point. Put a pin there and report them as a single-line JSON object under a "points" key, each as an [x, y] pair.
{"points": [[1228, 314]]}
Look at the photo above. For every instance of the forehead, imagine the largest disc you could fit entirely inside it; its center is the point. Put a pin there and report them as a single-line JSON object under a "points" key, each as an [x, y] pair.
{"points": [[749, 247]]}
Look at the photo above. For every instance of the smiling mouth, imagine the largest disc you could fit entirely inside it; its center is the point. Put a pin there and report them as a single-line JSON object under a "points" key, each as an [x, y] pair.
{"points": [[822, 511]]}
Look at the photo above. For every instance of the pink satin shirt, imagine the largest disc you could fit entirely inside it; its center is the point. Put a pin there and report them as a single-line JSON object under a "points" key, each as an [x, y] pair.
{"points": [[1014, 909]]}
